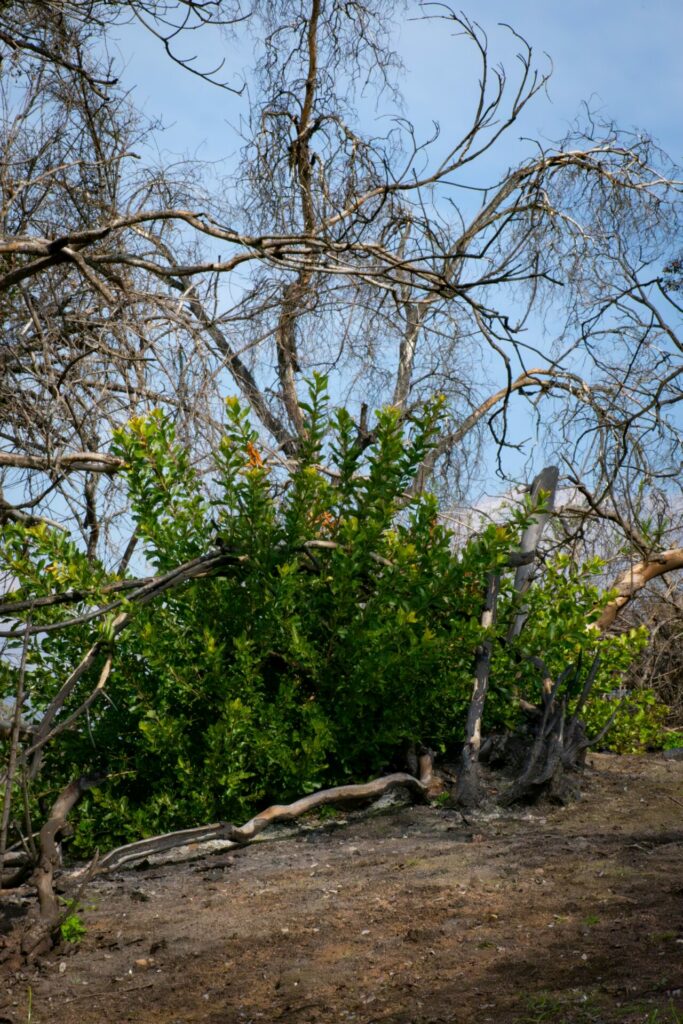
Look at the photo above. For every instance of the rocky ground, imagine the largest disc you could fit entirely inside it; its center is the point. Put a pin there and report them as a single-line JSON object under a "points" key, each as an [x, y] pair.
{"points": [[411, 915]]}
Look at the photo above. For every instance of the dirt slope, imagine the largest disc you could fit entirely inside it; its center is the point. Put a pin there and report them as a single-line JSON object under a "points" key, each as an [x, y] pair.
{"points": [[411, 916]]}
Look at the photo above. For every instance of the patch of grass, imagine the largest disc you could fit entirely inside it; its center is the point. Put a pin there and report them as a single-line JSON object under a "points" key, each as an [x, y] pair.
{"points": [[670, 1016], [542, 1007], [547, 1008]]}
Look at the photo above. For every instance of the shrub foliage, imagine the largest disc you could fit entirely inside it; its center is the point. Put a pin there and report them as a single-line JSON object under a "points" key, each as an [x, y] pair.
{"points": [[343, 629]]}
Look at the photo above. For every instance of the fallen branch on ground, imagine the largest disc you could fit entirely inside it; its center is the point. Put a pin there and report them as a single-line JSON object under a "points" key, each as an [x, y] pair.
{"points": [[244, 834]]}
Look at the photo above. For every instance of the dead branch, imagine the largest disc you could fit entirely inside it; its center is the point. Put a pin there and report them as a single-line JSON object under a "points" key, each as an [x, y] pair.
{"points": [[8, 607], [468, 787], [242, 835], [74, 462], [544, 484], [632, 581], [49, 835]]}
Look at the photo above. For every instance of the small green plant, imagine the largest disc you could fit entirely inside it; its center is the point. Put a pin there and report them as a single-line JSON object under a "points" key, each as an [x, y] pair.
{"points": [[72, 929], [327, 813]]}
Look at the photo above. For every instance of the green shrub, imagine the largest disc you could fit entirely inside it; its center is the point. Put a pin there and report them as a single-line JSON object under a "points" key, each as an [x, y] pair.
{"points": [[672, 739], [342, 628], [638, 721]]}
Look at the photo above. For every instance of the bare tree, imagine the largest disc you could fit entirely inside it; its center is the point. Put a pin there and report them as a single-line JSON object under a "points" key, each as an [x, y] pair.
{"points": [[370, 257], [58, 32], [84, 347]]}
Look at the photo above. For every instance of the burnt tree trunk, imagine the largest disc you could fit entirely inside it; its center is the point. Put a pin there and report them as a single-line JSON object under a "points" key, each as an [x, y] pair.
{"points": [[557, 742], [468, 792], [468, 787], [544, 483], [36, 937]]}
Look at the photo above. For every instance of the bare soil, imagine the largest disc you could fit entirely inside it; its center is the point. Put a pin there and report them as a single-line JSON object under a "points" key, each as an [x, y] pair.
{"points": [[412, 916]]}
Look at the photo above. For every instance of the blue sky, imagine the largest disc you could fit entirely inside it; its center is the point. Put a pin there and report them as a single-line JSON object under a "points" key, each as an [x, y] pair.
{"points": [[624, 58]]}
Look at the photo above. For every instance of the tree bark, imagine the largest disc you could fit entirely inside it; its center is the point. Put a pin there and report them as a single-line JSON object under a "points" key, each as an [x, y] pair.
{"points": [[468, 786], [546, 483]]}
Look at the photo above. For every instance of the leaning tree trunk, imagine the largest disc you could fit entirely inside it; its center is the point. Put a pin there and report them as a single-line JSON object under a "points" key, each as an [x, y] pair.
{"points": [[468, 790], [468, 787], [632, 581], [545, 483]]}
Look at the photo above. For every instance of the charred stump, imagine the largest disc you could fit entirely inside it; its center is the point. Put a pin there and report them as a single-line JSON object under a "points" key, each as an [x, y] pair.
{"points": [[557, 742]]}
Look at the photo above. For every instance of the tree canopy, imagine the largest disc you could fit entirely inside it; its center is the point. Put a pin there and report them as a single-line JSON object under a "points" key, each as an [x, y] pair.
{"points": [[378, 259]]}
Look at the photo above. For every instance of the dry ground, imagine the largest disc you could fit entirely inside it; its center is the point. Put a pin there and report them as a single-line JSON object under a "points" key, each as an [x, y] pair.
{"points": [[569, 915]]}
